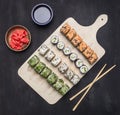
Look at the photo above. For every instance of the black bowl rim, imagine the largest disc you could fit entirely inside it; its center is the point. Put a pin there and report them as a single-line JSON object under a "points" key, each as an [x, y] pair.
{"points": [[39, 5]]}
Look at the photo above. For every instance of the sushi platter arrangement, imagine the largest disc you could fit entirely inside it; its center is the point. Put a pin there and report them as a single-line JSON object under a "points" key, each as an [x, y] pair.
{"points": [[63, 59]]}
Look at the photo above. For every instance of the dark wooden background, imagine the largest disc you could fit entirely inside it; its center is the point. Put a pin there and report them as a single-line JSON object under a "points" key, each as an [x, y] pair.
{"points": [[17, 98]]}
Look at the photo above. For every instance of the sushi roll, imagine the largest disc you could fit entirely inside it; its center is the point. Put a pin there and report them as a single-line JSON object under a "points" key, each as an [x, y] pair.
{"points": [[88, 52], [46, 72], [75, 79], [69, 74], [54, 39], [83, 69], [93, 58], [56, 61], [79, 63], [67, 51], [60, 45], [65, 28], [39, 67], [50, 55], [82, 46], [59, 84], [71, 34], [63, 68], [43, 50], [52, 78], [33, 61], [76, 40], [64, 89], [73, 57]]}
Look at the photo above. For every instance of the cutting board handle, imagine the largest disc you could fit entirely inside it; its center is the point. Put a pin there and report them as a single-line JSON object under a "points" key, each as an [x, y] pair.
{"points": [[100, 21]]}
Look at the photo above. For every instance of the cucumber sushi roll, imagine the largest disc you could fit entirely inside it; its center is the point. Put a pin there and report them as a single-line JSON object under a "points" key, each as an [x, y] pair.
{"points": [[56, 61], [64, 89], [54, 39], [33, 61], [50, 55], [39, 67], [84, 69], [73, 57], [63, 68], [52, 78], [69, 74], [46, 72], [75, 79], [59, 84], [43, 50], [79, 63], [60, 45], [67, 51]]}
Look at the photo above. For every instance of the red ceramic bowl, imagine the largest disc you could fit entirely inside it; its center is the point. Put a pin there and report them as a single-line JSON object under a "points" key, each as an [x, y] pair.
{"points": [[13, 28]]}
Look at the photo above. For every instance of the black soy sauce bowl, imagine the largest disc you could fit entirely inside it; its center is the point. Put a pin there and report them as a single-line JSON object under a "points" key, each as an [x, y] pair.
{"points": [[42, 14]]}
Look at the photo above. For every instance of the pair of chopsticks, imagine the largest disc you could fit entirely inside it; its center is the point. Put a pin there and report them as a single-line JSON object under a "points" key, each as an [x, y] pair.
{"points": [[88, 87]]}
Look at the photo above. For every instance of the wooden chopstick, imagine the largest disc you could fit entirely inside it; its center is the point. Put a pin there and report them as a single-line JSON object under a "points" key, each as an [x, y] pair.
{"points": [[73, 97], [75, 107]]}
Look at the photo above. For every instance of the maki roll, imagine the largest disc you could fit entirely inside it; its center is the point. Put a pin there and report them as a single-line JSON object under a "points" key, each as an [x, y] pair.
{"points": [[79, 63], [67, 51], [52, 78], [64, 89], [60, 45], [46, 72], [63, 68], [71, 34], [82, 46], [88, 52], [59, 84], [33, 61], [93, 58], [39, 67], [69, 74], [83, 69], [50, 55], [73, 57], [43, 50], [76, 40], [54, 39], [65, 29], [75, 79], [56, 61]]}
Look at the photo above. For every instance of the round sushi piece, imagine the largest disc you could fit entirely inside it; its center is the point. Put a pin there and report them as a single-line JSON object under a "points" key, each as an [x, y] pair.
{"points": [[63, 68], [64, 89], [56, 61], [69, 74], [52, 78], [43, 49], [73, 56], [75, 79], [59, 84], [39, 67], [46, 72], [50, 55], [83, 69], [79, 63], [54, 39], [67, 51], [60, 45]]}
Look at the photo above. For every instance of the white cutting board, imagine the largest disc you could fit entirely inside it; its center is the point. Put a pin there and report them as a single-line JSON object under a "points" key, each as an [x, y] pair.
{"points": [[87, 33]]}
